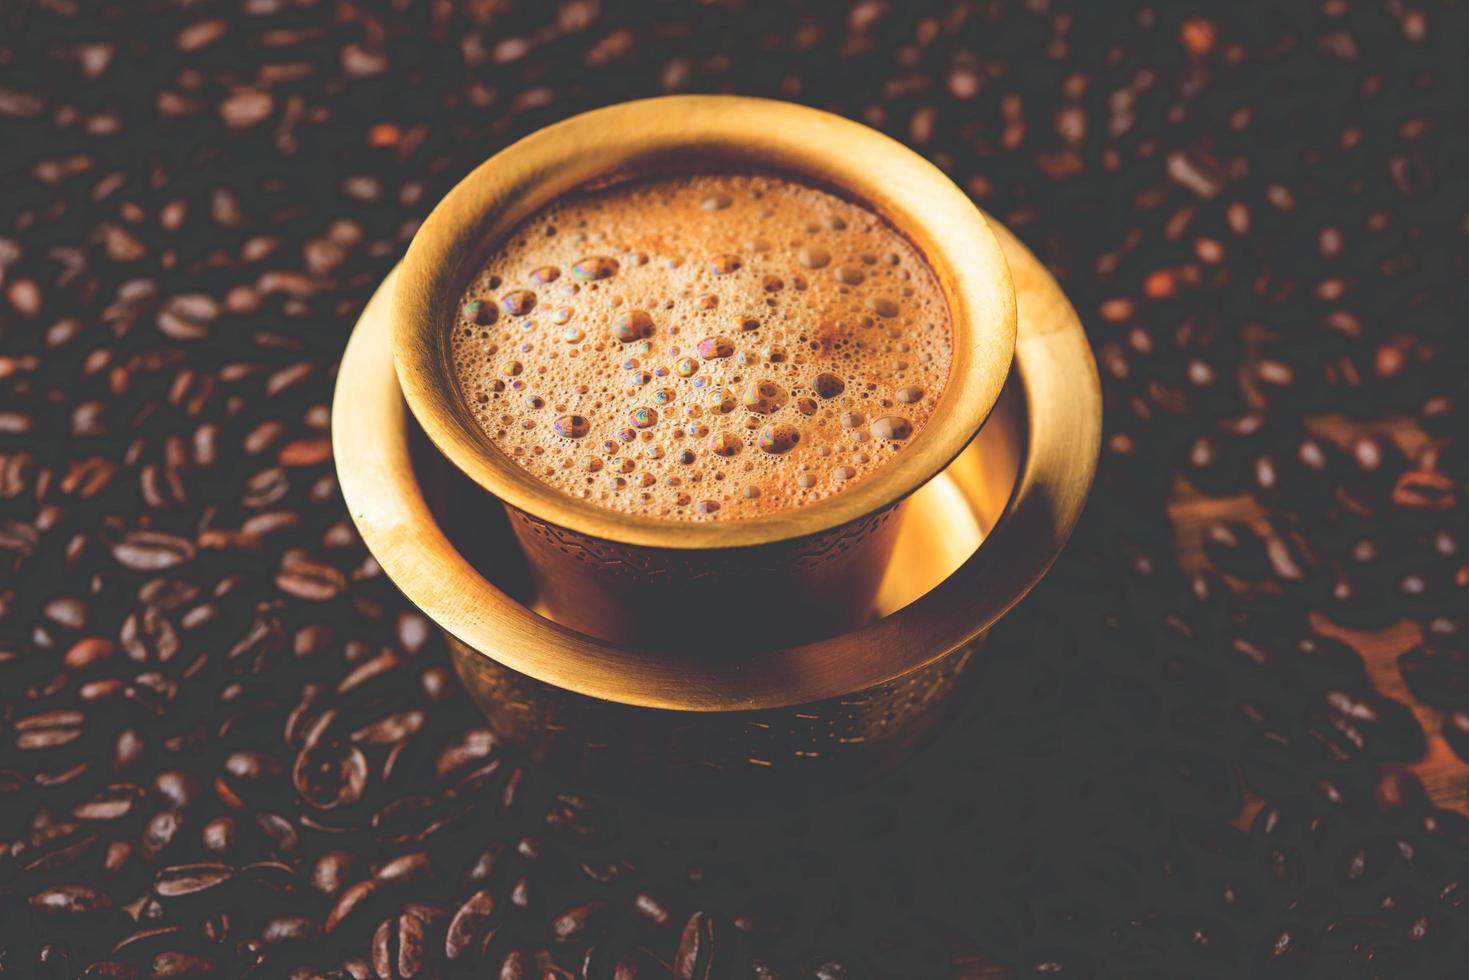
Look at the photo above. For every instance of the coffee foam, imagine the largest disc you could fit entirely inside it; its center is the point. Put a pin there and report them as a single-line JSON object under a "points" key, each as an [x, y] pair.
{"points": [[706, 347]]}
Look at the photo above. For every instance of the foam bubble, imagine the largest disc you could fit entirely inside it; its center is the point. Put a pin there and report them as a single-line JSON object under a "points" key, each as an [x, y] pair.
{"points": [[725, 444], [814, 257], [571, 426], [483, 312], [892, 427], [595, 267], [828, 385], [765, 397], [631, 325], [713, 348], [779, 438], [518, 302]]}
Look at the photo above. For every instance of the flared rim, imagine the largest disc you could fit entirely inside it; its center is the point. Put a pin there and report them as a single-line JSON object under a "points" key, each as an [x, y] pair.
{"points": [[689, 133]]}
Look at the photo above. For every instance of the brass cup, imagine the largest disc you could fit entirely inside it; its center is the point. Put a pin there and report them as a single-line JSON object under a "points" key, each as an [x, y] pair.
{"points": [[783, 719], [811, 571]]}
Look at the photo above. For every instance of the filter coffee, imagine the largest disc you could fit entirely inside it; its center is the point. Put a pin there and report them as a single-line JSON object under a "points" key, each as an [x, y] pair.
{"points": [[703, 347]]}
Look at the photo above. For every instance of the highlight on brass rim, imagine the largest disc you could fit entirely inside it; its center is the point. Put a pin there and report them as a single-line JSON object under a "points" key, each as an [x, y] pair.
{"points": [[692, 134]]}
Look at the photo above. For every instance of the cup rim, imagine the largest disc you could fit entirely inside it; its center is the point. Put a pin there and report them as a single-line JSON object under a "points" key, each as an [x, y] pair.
{"points": [[681, 132]]}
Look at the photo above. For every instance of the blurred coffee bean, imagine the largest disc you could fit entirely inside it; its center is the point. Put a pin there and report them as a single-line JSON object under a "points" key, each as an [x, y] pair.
{"points": [[696, 957], [398, 947]]}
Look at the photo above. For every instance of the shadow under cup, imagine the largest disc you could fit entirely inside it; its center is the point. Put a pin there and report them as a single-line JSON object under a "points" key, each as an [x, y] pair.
{"points": [[698, 587]]}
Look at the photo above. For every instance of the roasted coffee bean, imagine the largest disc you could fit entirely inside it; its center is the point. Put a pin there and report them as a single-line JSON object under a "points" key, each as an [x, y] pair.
{"points": [[405, 869], [190, 880], [289, 929], [522, 893], [328, 775], [282, 834], [1437, 675], [435, 917], [580, 923], [182, 965], [1379, 726], [371, 677], [248, 776], [651, 908], [70, 902], [111, 970], [1400, 795], [150, 551], [110, 803], [761, 970], [332, 872], [1236, 549], [639, 964], [572, 815], [1211, 466], [220, 836], [602, 873], [310, 580], [697, 957], [1378, 464], [391, 729], [49, 730], [398, 947], [142, 944], [54, 960], [515, 965], [466, 750], [181, 789], [485, 866], [53, 847], [89, 653], [350, 904], [118, 857], [404, 770], [470, 927], [415, 819]]}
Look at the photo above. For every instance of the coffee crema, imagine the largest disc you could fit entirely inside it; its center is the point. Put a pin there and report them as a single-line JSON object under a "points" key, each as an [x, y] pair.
{"points": [[703, 347]]}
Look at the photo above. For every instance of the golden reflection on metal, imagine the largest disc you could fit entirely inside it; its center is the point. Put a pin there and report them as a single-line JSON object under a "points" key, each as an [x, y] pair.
{"points": [[837, 707], [623, 576], [686, 134]]}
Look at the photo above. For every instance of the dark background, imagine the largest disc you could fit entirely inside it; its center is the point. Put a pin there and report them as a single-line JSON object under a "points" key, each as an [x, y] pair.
{"points": [[1222, 739]]}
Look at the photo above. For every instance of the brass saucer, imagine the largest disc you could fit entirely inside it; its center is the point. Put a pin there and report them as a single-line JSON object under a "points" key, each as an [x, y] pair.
{"points": [[805, 717]]}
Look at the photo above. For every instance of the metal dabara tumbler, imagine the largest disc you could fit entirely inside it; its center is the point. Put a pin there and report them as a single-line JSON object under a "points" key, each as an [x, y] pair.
{"points": [[811, 571], [520, 592]]}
